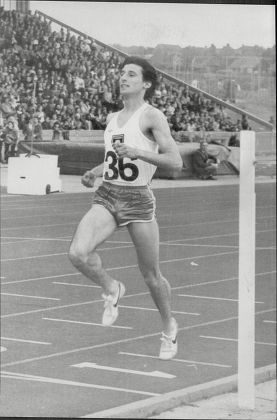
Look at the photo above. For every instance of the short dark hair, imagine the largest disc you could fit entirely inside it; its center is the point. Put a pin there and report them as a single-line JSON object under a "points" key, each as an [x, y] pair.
{"points": [[149, 73]]}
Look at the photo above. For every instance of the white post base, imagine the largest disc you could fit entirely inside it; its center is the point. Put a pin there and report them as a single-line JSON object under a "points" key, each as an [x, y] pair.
{"points": [[33, 175]]}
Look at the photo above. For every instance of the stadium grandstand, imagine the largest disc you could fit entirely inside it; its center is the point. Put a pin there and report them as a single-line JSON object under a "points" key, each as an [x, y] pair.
{"points": [[60, 85]]}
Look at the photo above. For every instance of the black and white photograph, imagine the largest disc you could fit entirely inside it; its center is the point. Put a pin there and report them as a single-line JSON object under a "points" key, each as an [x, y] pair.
{"points": [[138, 209]]}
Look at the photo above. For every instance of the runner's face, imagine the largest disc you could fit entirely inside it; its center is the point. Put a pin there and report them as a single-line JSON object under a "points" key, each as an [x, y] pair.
{"points": [[131, 80]]}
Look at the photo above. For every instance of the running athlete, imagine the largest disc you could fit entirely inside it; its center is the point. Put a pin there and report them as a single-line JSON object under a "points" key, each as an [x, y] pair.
{"points": [[137, 141]]}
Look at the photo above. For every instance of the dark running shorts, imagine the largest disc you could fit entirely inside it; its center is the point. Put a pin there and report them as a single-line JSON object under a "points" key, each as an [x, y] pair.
{"points": [[126, 204]]}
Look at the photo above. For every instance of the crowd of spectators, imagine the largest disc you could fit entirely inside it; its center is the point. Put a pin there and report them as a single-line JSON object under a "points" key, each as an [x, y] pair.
{"points": [[64, 82]]}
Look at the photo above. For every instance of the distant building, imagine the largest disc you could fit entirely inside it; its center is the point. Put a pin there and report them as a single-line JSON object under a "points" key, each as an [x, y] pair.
{"points": [[22, 6], [245, 65], [206, 64], [166, 56]]}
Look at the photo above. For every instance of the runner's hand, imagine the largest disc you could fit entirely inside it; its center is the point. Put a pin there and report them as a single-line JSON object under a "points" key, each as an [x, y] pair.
{"points": [[125, 151], [88, 179]]}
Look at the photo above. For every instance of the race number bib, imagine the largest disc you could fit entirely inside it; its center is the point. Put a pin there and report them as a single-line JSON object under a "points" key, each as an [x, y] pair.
{"points": [[116, 167]]}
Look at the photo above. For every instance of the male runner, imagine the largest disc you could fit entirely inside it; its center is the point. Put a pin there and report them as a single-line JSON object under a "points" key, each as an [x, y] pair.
{"points": [[137, 140]]}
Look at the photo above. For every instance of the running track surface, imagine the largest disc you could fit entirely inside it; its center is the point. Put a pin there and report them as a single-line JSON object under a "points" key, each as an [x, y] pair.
{"points": [[57, 360]]}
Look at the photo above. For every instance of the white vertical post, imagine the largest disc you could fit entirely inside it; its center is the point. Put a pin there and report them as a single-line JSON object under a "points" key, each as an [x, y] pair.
{"points": [[246, 310]]}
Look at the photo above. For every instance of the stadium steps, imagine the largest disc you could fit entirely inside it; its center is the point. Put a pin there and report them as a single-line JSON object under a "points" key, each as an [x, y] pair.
{"points": [[227, 168]]}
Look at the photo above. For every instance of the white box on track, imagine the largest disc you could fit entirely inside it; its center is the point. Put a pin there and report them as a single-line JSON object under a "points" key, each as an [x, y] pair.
{"points": [[33, 174]]}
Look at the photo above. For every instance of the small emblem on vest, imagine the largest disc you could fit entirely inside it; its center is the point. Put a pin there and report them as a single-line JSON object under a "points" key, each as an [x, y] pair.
{"points": [[118, 137]]}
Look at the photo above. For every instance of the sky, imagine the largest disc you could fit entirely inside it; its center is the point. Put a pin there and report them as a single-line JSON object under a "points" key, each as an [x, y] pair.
{"points": [[183, 24]]}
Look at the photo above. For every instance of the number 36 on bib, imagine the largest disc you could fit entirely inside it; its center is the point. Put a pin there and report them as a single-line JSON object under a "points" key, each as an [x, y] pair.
{"points": [[116, 167]]}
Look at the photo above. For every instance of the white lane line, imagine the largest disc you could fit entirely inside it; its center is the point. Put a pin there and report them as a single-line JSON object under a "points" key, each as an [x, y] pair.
{"points": [[161, 227], [86, 323], [119, 242], [42, 278], [15, 242], [203, 212], [118, 268], [114, 268], [72, 305], [41, 205], [259, 248], [269, 321], [38, 226], [222, 235], [234, 220], [19, 240], [28, 216], [154, 373], [126, 340], [80, 197], [193, 362], [211, 297], [153, 309], [130, 246], [125, 296], [25, 341], [234, 339], [25, 377], [209, 222], [204, 283], [27, 296], [199, 245], [66, 238], [63, 198], [31, 257], [75, 284]]}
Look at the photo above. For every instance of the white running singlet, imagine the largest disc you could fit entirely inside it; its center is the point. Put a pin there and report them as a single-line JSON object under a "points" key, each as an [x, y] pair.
{"points": [[126, 171]]}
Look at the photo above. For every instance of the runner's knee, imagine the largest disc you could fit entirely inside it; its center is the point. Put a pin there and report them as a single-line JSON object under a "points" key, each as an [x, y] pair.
{"points": [[80, 257], [76, 255], [152, 276]]}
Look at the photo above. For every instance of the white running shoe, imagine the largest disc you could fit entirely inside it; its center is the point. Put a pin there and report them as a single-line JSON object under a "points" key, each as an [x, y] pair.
{"points": [[111, 305], [169, 345]]}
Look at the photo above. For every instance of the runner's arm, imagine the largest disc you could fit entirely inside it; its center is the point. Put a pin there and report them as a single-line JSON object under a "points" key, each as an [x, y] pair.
{"points": [[98, 170], [89, 177], [168, 157]]}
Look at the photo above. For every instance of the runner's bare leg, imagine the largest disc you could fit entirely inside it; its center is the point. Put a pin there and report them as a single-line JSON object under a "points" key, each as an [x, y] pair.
{"points": [[145, 237], [96, 226]]}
